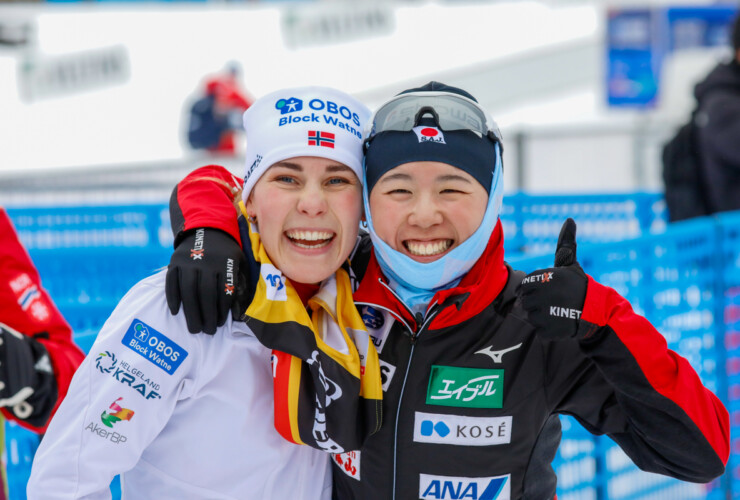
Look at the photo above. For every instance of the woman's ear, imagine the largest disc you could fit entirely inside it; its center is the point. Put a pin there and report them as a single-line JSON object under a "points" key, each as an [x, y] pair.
{"points": [[249, 205]]}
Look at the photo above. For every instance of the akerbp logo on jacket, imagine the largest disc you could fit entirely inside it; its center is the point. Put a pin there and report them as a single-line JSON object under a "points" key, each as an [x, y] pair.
{"points": [[115, 413], [154, 346], [111, 416], [465, 387], [458, 488]]}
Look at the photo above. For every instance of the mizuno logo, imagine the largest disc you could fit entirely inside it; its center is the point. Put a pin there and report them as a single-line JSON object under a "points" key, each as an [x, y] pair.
{"points": [[497, 356]]}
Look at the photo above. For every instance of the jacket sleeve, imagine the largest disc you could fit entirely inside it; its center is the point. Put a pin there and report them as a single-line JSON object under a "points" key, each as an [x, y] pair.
{"points": [[27, 308], [228, 93], [117, 404], [721, 112], [647, 398], [204, 198], [717, 145]]}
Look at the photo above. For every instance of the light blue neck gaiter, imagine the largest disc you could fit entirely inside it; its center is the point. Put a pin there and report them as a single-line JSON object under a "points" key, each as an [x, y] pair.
{"points": [[415, 282]]}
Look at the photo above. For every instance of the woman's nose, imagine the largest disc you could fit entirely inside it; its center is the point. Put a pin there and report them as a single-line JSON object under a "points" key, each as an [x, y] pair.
{"points": [[312, 201], [425, 213]]}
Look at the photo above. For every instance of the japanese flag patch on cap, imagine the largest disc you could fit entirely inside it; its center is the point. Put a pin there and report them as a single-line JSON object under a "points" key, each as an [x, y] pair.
{"points": [[303, 121], [429, 134]]}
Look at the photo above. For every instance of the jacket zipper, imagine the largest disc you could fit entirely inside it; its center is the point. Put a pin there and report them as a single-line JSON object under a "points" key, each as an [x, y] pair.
{"points": [[413, 336]]}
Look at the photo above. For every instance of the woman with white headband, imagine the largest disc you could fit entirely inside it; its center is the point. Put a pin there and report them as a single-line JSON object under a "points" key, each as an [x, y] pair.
{"points": [[191, 416]]}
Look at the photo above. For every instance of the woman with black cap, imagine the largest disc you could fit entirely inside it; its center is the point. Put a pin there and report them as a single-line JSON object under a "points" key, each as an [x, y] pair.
{"points": [[478, 359]]}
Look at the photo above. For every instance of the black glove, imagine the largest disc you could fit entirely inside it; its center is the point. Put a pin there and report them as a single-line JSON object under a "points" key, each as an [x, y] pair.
{"points": [[554, 297], [27, 385], [207, 274]]}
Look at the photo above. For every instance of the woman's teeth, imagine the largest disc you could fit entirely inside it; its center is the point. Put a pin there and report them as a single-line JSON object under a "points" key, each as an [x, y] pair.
{"points": [[425, 249], [310, 239]]}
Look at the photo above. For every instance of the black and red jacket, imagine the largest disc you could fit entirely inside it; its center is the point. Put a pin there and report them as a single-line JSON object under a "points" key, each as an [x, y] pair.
{"points": [[472, 393], [27, 308]]}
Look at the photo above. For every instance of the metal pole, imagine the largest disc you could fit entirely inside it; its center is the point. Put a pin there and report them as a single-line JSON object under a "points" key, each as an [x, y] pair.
{"points": [[521, 159]]}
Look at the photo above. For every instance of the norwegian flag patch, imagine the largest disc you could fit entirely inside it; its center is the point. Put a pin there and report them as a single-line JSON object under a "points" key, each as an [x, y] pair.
{"points": [[318, 138]]}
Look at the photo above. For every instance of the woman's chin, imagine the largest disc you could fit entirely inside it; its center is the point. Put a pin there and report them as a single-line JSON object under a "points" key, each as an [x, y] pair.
{"points": [[310, 275]]}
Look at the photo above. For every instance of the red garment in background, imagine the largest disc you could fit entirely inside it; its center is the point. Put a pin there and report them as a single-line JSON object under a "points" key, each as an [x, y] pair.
{"points": [[26, 307], [229, 98]]}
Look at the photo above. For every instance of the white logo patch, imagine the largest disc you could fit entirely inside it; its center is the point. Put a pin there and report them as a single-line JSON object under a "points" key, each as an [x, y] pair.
{"points": [[461, 430], [378, 324], [349, 462], [429, 134], [474, 488], [275, 283], [386, 374]]}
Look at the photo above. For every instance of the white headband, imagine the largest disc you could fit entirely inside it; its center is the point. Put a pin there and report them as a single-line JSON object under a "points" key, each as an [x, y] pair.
{"points": [[303, 121]]}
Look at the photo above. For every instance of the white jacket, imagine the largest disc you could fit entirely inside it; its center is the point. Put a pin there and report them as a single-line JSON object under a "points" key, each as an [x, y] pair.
{"points": [[179, 416]]}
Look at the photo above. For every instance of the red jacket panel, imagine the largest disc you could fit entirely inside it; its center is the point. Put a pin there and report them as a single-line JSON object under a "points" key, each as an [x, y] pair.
{"points": [[26, 307]]}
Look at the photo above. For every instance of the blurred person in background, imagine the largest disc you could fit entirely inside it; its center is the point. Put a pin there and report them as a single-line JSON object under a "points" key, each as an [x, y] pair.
{"points": [[478, 359], [701, 164], [190, 416], [37, 354], [215, 117]]}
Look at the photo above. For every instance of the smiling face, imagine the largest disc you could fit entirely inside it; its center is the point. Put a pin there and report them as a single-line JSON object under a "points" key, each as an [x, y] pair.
{"points": [[424, 209], [308, 210]]}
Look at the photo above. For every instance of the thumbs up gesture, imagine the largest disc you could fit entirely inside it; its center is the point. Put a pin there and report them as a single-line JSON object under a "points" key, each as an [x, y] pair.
{"points": [[554, 297]]}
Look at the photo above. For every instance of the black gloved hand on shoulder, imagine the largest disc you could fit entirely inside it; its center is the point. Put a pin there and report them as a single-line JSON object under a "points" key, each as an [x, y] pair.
{"points": [[27, 383], [554, 297], [207, 274]]}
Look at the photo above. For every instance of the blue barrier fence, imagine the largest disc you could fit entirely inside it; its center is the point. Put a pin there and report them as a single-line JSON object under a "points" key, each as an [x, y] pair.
{"points": [[686, 281], [685, 278]]}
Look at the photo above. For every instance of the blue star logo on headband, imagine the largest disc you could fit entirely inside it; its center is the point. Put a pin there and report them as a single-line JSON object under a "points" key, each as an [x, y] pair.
{"points": [[290, 105]]}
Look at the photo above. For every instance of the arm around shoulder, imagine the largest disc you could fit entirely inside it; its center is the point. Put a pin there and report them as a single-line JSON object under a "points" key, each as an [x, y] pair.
{"points": [[204, 198]]}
